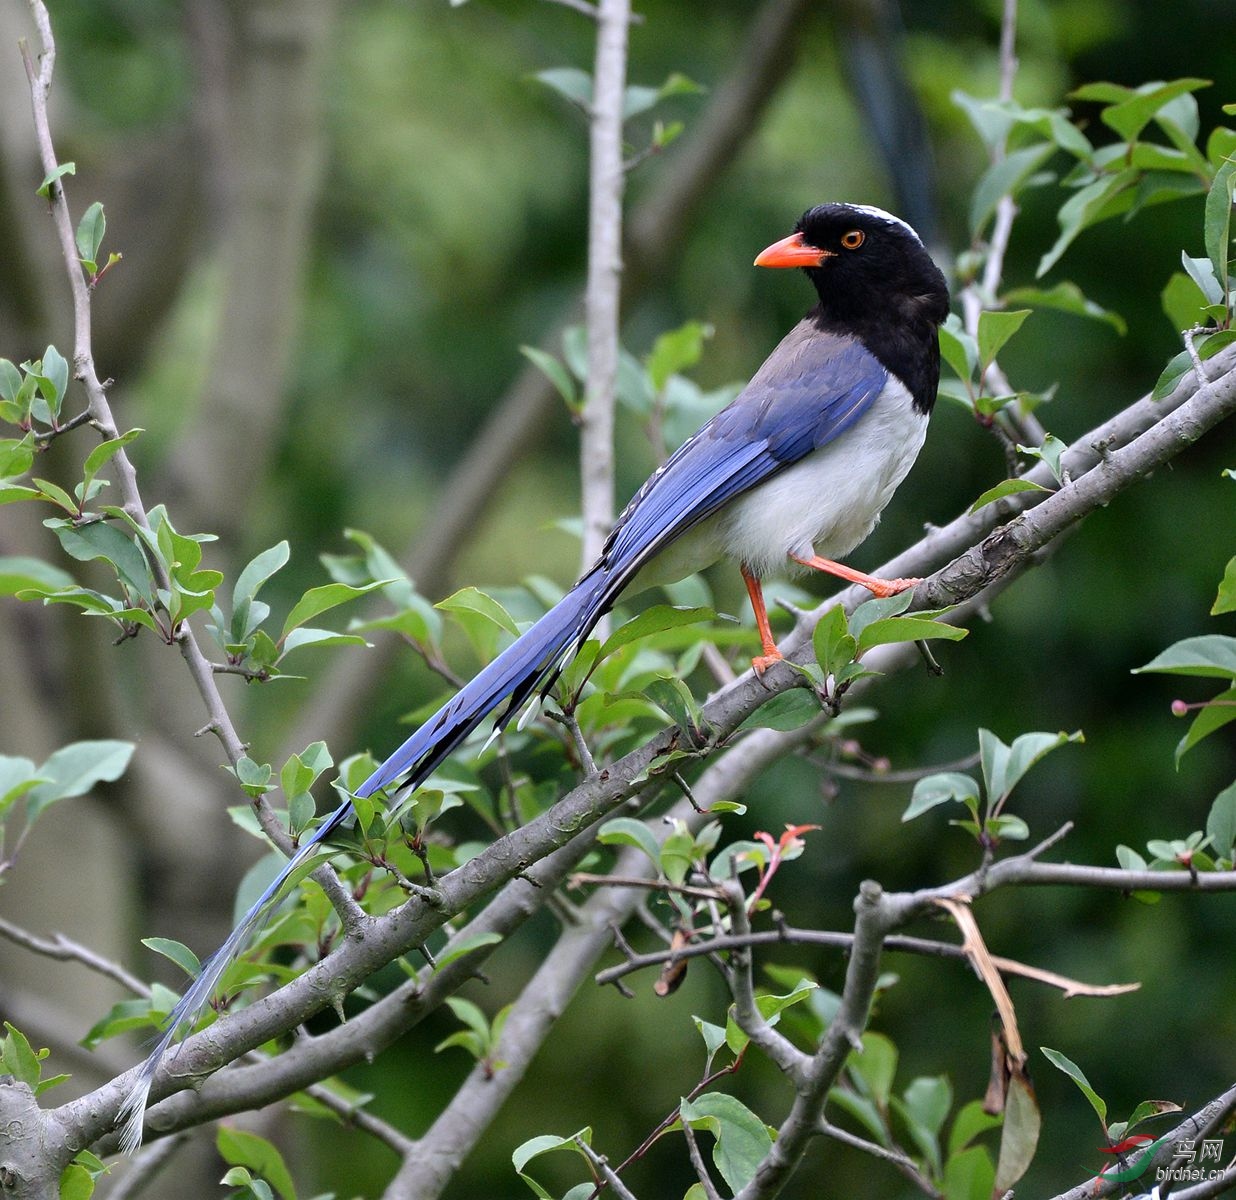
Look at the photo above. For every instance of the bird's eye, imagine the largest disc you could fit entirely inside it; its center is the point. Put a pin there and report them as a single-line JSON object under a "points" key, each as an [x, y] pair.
{"points": [[853, 239]]}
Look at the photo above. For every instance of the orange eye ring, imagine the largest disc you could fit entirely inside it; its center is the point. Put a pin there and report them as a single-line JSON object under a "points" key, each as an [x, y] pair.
{"points": [[853, 239]]}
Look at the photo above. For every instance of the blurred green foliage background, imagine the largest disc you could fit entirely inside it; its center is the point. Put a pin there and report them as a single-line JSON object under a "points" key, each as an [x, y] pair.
{"points": [[430, 201]]}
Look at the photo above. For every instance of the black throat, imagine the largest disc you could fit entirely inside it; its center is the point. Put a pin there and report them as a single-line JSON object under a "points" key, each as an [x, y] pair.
{"points": [[905, 342]]}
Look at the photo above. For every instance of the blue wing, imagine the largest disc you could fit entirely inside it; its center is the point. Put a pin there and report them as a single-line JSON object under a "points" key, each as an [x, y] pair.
{"points": [[811, 389]]}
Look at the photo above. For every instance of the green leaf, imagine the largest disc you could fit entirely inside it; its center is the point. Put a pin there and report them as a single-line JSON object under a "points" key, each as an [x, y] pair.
{"points": [[465, 946], [1005, 177], [298, 639], [90, 231], [785, 711], [1029, 749], [104, 452], [16, 456], [556, 373], [627, 831], [874, 1067], [99, 539], [878, 609], [76, 1183], [1077, 1075], [653, 620], [1106, 197], [1221, 822], [1006, 487], [891, 630], [940, 789], [1068, 298], [742, 1139], [1182, 364], [639, 99], [1225, 601], [1129, 117], [969, 1123], [1218, 712], [958, 348], [834, 645], [570, 82], [19, 1059], [1218, 222], [320, 599], [969, 1175], [259, 569], [241, 1148], [1210, 656], [44, 188], [995, 327], [75, 769], [17, 574], [179, 953], [993, 758], [676, 351]]}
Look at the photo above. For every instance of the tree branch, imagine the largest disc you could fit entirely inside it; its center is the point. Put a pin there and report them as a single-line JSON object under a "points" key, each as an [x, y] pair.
{"points": [[601, 296]]}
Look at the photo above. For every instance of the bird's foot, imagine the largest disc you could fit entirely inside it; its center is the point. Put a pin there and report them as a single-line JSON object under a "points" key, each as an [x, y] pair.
{"points": [[887, 587], [762, 662]]}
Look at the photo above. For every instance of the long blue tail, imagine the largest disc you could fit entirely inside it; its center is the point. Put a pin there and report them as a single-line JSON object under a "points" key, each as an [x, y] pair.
{"points": [[513, 676]]}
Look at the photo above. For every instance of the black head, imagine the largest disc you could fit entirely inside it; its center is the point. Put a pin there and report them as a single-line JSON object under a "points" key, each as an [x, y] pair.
{"points": [[876, 282]]}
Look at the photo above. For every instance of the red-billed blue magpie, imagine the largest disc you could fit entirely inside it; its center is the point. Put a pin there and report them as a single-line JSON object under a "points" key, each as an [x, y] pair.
{"points": [[793, 473]]}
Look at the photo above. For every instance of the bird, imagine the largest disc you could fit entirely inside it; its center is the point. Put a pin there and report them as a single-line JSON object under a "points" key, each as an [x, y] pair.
{"points": [[792, 475]]}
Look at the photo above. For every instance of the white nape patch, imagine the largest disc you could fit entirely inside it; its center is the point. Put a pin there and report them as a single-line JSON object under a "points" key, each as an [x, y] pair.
{"points": [[880, 214], [828, 502]]}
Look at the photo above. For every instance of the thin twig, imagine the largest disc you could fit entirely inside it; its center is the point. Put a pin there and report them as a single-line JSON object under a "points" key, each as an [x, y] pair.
{"points": [[896, 1157], [145, 1166], [65, 949], [697, 1161]]}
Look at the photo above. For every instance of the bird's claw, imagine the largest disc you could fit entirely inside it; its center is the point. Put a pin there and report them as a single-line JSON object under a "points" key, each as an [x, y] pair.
{"points": [[762, 662], [883, 588]]}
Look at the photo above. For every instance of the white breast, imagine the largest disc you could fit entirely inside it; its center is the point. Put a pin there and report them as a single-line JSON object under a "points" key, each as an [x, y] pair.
{"points": [[825, 504]]}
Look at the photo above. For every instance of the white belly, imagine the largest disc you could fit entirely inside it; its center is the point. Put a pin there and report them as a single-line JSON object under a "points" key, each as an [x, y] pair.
{"points": [[825, 504]]}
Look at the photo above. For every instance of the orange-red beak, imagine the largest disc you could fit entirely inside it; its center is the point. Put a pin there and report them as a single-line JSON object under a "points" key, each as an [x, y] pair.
{"points": [[792, 251]]}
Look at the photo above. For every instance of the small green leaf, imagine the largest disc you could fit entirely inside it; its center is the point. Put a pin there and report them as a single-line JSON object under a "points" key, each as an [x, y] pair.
{"points": [[1075, 1073], [834, 645], [1218, 222], [742, 1139], [465, 946], [1029, 749], [75, 769], [958, 348], [556, 373], [17, 574], [1225, 601], [19, 1059], [329, 595], [1065, 297], [105, 451], [676, 351], [90, 231], [242, 1148], [1221, 822], [995, 327], [76, 1183], [1220, 711], [653, 620], [44, 188], [940, 789], [627, 831], [179, 953], [892, 630], [571, 83], [1006, 487], [1130, 116], [1210, 656], [969, 1174]]}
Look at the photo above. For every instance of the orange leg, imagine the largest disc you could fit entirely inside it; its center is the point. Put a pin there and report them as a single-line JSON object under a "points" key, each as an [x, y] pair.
{"points": [[771, 653], [877, 587]]}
